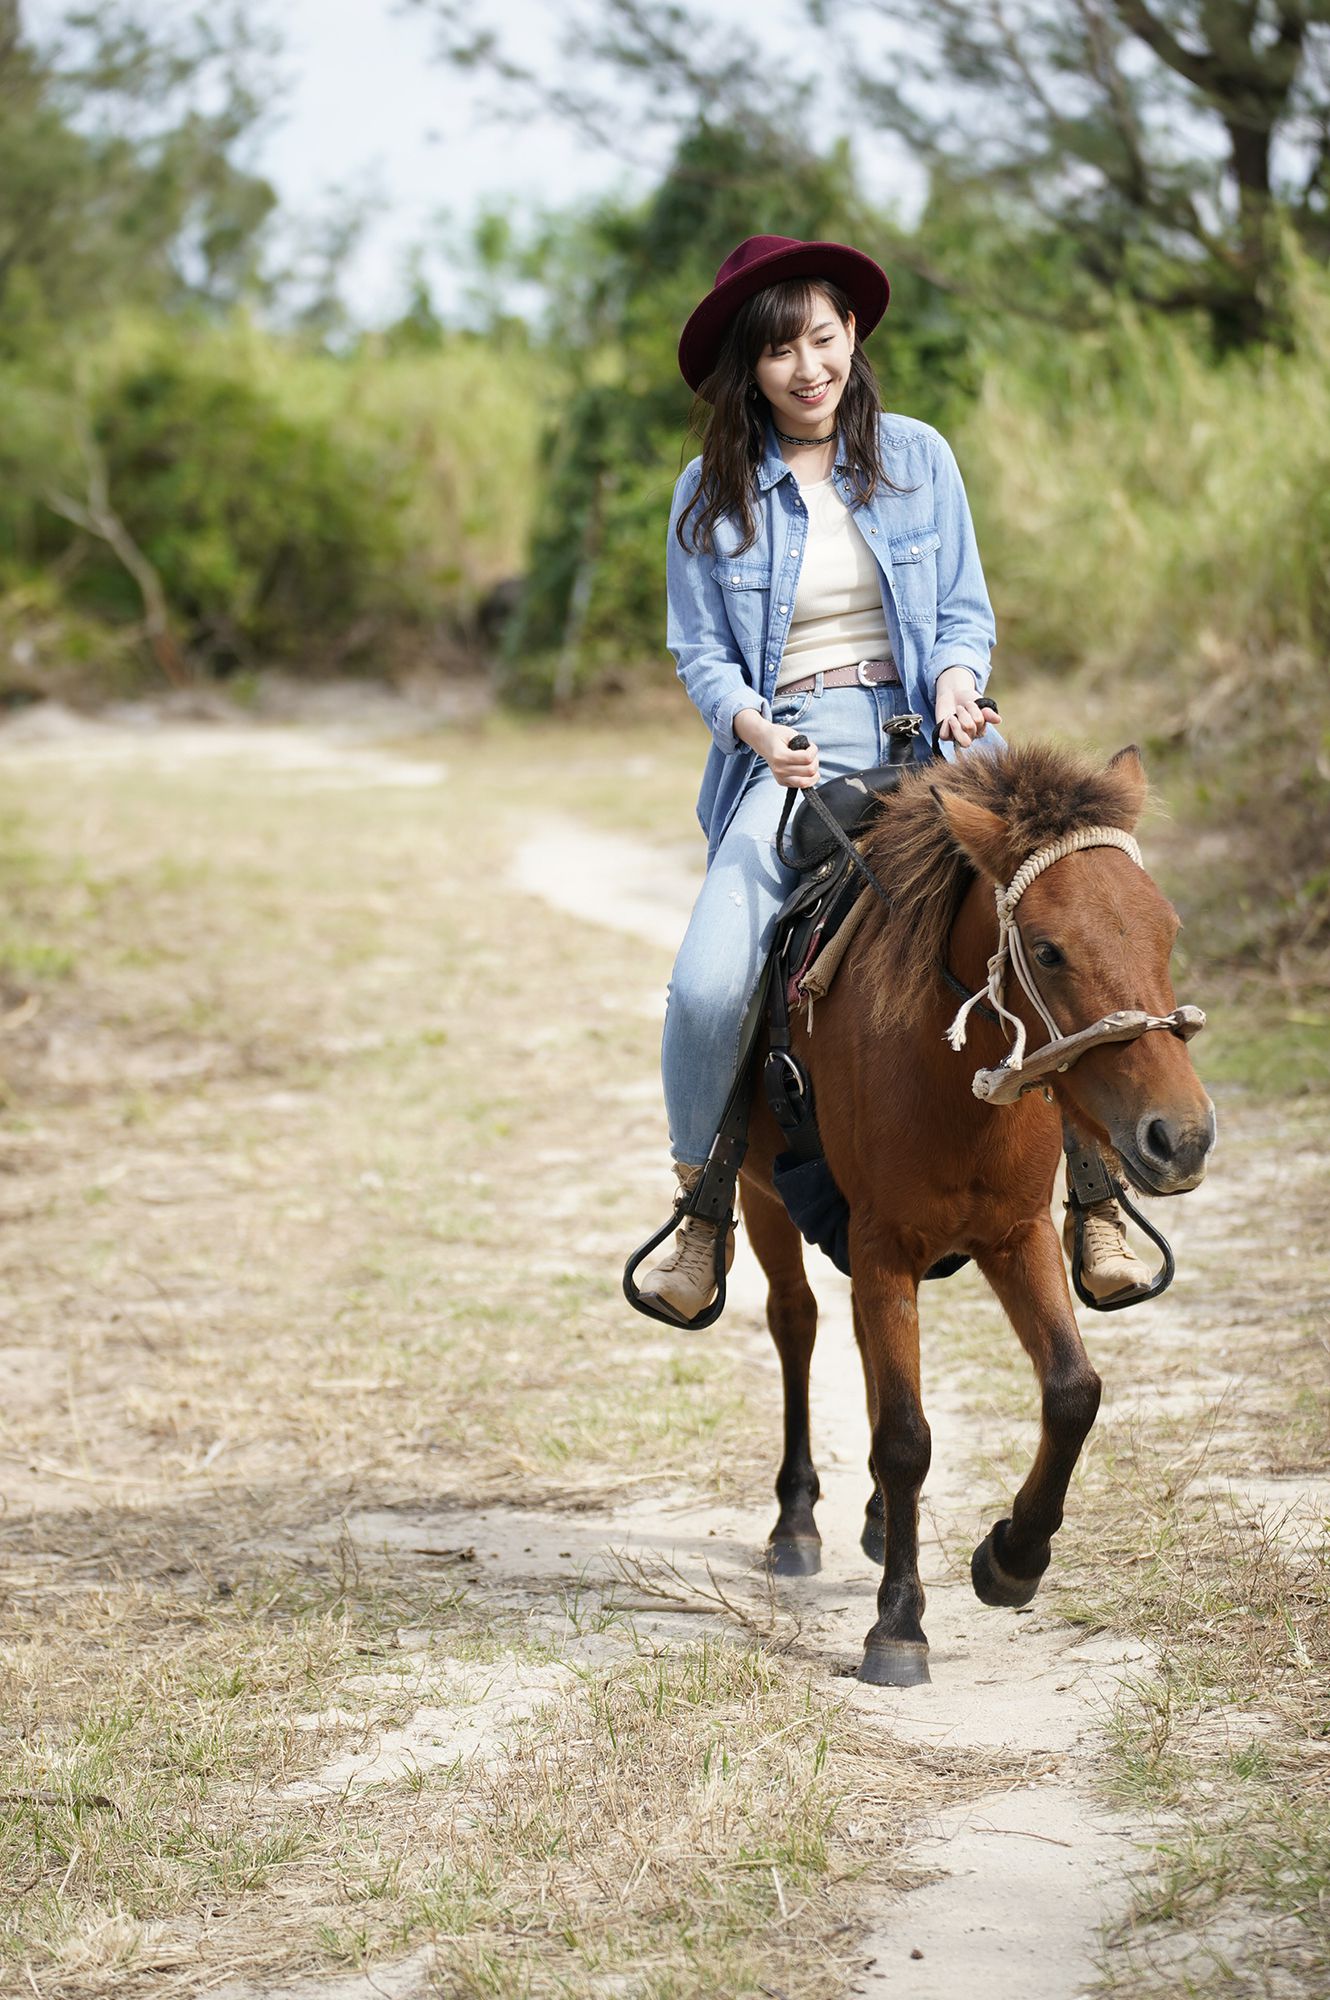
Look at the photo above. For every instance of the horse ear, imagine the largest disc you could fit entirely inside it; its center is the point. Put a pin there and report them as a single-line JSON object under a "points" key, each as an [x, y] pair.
{"points": [[979, 833], [1128, 768]]}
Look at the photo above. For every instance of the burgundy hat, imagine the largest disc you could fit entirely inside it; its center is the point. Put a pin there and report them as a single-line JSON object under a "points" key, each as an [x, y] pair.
{"points": [[766, 260]]}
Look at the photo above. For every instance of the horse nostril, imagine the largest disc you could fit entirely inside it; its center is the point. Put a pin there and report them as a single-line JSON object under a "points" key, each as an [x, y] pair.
{"points": [[1155, 1140]]}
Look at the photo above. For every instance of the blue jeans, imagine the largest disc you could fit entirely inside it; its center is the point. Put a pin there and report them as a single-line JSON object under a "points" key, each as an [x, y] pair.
{"points": [[730, 931]]}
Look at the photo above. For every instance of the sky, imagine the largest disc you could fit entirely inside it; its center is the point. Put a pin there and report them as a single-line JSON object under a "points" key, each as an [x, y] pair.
{"points": [[366, 110]]}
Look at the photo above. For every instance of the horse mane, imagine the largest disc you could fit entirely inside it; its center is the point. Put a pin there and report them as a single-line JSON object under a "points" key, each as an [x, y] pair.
{"points": [[1039, 791]]}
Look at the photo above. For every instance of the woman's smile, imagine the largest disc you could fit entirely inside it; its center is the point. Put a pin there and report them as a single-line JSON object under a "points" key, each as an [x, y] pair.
{"points": [[804, 379]]}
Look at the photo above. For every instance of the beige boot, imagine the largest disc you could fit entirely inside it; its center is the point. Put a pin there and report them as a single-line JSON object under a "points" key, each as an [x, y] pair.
{"points": [[1109, 1264], [684, 1282]]}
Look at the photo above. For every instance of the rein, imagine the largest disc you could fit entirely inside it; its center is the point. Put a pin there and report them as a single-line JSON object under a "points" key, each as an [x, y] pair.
{"points": [[1015, 1075], [830, 822]]}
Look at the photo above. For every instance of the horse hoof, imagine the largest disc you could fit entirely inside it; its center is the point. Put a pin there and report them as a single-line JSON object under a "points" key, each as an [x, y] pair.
{"points": [[873, 1542], [993, 1584], [899, 1663], [794, 1556]]}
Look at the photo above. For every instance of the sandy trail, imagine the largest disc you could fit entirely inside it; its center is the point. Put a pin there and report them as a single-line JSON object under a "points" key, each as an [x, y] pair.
{"points": [[1025, 1879]]}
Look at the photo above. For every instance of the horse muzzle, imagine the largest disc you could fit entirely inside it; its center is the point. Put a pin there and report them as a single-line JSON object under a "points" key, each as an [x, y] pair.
{"points": [[1166, 1155]]}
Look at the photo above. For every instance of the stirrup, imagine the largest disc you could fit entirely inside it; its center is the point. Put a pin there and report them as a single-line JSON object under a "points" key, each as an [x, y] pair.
{"points": [[713, 1200], [1089, 1182]]}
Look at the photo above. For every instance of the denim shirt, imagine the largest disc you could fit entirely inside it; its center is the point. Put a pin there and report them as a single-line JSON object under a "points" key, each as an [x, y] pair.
{"points": [[729, 614]]}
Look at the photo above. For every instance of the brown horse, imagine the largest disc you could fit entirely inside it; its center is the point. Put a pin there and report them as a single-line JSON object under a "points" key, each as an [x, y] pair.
{"points": [[928, 1169]]}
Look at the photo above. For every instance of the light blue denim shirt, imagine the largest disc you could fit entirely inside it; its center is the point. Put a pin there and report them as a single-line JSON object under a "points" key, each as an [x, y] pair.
{"points": [[729, 615]]}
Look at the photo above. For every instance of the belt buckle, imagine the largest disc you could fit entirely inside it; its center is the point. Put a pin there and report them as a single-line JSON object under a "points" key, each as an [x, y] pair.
{"points": [[861, 674]]}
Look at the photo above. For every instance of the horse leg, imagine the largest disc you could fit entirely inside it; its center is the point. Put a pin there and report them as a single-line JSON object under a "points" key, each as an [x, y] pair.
{"points": [[895, 1650], [794, 1547], [1026, 1271], [873, 1538]]}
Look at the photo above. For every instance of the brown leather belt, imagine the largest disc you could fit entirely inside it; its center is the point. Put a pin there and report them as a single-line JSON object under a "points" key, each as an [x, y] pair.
{"points": [[860, 673]]}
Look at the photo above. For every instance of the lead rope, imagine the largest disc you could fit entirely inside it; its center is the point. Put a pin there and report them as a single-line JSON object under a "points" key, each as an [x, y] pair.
{"points": [[1010, 947]]}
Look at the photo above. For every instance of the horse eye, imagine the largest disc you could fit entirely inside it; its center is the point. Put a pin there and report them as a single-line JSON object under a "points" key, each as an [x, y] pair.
{"points": [[1048, 955]]}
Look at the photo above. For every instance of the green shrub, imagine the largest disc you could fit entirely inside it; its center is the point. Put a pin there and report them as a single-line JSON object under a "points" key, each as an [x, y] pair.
{"points": [[295, 505]]}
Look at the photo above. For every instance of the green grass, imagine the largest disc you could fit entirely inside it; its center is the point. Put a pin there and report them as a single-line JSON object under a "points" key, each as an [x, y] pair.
{"points": [[1252, 1047]]}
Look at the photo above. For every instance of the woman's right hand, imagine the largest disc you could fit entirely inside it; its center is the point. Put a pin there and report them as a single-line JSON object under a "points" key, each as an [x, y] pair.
{"points": [[771, 740]]}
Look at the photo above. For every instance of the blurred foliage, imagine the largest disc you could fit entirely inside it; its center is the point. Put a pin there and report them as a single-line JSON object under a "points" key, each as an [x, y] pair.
{"points": [[179, 487], [120, 180], [1172, 148], [335, 510], [1152, 515], [201, 461]]}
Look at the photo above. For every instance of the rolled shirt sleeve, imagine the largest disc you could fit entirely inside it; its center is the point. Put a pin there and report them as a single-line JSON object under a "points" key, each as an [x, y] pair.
{"points": [[965, 633], [698, 632]]}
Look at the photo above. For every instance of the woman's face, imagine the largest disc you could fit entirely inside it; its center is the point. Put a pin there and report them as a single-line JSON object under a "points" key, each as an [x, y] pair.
{"points": [[804, 380]]}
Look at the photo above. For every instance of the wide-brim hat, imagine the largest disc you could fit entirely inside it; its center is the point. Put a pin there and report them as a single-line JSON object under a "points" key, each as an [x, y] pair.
{"points": [[766, 260]]}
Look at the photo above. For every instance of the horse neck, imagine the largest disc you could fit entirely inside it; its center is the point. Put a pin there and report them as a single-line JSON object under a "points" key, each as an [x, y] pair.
{"points": [[974, 935]]}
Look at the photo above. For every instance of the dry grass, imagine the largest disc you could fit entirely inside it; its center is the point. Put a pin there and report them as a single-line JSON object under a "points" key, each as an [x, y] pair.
{"points": [[321, 1150], [299, 1150], [699, 1819]]}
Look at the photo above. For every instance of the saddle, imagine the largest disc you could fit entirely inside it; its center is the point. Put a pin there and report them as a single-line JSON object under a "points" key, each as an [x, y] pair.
{"points": [[807, 925], [820, 902]]}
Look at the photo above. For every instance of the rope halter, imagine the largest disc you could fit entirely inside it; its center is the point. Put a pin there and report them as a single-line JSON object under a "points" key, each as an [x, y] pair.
{"points": [[1010, 947]]}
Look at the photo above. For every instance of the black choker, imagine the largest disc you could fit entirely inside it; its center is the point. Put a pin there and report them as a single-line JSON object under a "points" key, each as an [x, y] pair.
{"points": [[786, 439]]}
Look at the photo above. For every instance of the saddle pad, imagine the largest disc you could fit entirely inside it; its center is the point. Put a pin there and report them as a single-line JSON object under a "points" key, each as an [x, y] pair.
{"points": [[815, 983], [811, 917]]}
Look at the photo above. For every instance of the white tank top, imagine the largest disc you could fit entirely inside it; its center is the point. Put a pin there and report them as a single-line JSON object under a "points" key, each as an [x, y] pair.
{"points": [[838, 617]]}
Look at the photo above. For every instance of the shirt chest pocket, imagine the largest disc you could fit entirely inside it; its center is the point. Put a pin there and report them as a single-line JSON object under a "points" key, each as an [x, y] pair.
{"points": [[746, 586], [914, 574]]}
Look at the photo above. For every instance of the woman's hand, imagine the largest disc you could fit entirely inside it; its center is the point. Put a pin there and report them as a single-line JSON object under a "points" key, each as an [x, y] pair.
{"points": [[771, 740], [956, 707]]}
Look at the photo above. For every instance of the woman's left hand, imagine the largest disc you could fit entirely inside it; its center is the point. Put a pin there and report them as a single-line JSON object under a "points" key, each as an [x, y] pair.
{"points": [[956, 707]]}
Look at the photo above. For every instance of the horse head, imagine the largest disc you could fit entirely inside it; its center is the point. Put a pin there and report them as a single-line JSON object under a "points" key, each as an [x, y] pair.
{"points": [[1090, 936]]}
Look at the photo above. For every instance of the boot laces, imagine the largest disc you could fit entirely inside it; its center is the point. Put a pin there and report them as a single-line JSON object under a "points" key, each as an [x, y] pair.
{"points": [[1105, 1232], [694, 1253]]}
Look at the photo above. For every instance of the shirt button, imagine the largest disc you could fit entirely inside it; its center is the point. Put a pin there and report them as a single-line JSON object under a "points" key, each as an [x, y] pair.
{"points": [[872, 531], [784, 608], [734, 579], [914, 548]]}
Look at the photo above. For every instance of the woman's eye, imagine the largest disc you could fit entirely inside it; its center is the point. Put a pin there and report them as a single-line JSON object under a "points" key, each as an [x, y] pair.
{"points": [[1048, 955]]}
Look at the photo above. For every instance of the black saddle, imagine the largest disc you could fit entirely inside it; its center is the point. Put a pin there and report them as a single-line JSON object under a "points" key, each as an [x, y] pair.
{"points": [[848, 800]]}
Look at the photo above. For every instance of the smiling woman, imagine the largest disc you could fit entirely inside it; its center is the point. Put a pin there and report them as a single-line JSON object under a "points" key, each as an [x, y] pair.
{"points": [[823, 580]]}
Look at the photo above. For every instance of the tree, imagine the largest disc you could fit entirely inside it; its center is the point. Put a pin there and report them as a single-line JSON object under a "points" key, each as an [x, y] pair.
{"points": [[1170, 141], [1154, 148], [120, 181]]}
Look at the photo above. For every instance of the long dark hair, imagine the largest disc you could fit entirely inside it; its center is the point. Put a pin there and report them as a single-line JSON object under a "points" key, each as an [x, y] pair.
{"points": [[730, 412]]}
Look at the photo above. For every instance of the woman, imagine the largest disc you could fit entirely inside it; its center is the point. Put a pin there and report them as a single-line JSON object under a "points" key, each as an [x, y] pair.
{"points": [[822, 579]]}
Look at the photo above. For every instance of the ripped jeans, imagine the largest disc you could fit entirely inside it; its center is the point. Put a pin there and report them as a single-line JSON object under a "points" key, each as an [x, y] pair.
{"points": [[730, 931]]}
